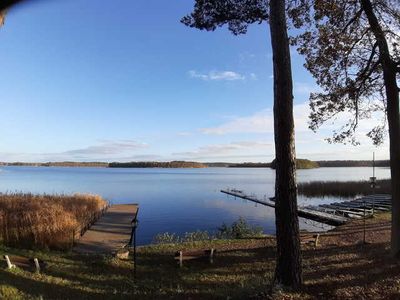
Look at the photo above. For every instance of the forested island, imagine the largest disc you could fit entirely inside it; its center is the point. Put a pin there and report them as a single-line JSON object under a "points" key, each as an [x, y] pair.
{"points": [[300, 164]]}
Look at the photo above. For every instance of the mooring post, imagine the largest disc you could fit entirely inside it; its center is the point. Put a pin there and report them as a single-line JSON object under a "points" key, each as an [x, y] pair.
{"points": [[9, 264], [134, 252], [364, 220], [180, 259], [37, 265], [212, 255], [132, 242]]}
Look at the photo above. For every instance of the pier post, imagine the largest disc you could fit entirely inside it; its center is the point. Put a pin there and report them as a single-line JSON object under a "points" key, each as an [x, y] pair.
{"points": [[9, 264], [37, 265]]}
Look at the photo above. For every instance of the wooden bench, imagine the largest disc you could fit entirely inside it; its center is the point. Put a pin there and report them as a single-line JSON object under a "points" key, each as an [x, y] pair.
{"points": [[180, 256], [311, 240], [24, 263]]}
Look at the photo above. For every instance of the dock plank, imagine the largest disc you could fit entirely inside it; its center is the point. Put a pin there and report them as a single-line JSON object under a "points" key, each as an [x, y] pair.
{"points": [[334, 214], [111, 232], [308, 213]]}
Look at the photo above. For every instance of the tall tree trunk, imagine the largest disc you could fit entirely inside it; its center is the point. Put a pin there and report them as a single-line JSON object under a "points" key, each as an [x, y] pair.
{"points": [[2, 17], [392, 97], [288, 266]]}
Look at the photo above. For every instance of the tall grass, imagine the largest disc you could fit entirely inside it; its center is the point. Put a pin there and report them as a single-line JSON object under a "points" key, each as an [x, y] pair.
{"points": [[342, 189], [237, 230], [45, 221]]}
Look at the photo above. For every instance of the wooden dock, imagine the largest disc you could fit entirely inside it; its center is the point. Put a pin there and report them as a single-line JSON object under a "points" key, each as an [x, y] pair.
{"points": [[333, 214], [111, 232]]}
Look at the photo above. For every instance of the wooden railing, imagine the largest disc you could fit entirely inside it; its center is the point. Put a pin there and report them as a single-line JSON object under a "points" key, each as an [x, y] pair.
{"points": [[81, 229]]}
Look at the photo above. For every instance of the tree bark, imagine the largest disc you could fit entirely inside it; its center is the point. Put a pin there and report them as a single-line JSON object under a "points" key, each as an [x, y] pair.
{"points": [[389, 68], [288, 265]]}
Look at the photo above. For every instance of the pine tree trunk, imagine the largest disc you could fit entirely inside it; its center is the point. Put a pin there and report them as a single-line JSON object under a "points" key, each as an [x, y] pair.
{"points": [[288, 268], [392, 97]]}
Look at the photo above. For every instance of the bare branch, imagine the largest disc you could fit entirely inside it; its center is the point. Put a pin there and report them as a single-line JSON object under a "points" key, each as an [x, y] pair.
{"points": [[352, 20], [371, 57]]}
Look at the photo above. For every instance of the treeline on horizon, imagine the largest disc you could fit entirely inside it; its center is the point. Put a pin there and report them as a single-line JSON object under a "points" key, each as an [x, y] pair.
{"points": [[157, 164], [300, 164], [57, 164]]}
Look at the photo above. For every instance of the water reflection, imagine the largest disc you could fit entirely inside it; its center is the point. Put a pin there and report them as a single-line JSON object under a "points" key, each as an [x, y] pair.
{"points": [[176, 200]]}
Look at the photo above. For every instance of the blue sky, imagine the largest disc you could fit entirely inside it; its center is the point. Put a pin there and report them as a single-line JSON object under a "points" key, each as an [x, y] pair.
{"points": [[126, 81]]}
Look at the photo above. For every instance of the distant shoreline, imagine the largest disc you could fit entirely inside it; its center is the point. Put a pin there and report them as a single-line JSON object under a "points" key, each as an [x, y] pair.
{"points": [[301, 164]]}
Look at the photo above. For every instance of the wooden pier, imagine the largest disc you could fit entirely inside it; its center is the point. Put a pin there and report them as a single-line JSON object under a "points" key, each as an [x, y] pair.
{"points": [[112, 232], [333, 214]]}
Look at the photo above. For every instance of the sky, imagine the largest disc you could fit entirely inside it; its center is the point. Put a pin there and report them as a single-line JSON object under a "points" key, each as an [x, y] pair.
{"points": [[126, 81]]}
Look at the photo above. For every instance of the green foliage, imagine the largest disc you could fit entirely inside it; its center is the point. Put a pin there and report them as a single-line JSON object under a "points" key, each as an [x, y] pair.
{"points": [[188, 237], [8, 292], [166, 238], [196, 236], [239, 229], [210, 14], [300, 164], [344, 52], [235, 274]]}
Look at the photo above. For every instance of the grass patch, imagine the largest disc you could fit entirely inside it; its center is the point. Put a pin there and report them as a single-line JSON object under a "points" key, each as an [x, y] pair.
{"points": [[73, 276], [340, 268]]}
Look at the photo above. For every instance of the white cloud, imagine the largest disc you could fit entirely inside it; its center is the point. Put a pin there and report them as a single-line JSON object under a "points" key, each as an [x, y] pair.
{"points": [[308, 144], [104, 150], [304, 88], [225, 149], [260, 122], [107, 148], [217, 75], [184, 133]]}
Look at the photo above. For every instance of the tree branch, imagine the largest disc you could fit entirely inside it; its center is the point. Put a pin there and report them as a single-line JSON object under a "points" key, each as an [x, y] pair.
{"points": [[7, 3], [365, 72], [352, 20]]}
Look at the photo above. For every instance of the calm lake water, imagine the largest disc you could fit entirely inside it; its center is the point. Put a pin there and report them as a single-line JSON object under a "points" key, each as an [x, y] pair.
{"points": [[177, 200]]}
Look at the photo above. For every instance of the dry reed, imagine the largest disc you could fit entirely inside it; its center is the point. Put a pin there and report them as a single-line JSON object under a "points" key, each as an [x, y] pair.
{"points": [[347, 189], [45, 221]]}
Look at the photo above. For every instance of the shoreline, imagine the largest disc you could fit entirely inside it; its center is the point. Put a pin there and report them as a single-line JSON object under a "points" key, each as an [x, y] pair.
{"points": [[341, 266]]}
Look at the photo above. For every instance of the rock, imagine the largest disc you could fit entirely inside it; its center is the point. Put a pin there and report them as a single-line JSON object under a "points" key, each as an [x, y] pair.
{"points": [[122, 254]]}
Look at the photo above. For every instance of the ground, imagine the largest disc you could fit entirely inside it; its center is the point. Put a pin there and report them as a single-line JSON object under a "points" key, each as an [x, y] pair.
{"points": [[341, 267]]}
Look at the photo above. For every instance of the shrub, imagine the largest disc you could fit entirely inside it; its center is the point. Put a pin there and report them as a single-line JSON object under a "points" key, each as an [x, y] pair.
{"points": [[196, 236], [166, 238], [8, 292], [239, 229]]}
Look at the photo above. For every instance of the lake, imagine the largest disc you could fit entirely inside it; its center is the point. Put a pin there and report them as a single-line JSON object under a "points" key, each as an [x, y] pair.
{"points": [[177, 200]]}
